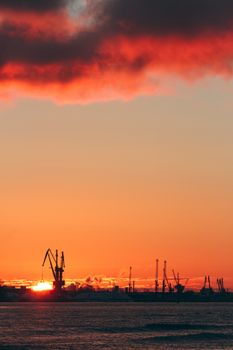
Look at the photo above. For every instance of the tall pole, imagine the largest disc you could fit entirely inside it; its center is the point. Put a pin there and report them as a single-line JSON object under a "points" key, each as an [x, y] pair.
{"points": [[130, 279], [164, 276], [157, 276], [56, 268]]}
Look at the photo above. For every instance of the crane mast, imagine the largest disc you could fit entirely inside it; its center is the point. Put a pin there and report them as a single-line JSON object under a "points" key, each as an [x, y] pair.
{"points": [[57, 269]]}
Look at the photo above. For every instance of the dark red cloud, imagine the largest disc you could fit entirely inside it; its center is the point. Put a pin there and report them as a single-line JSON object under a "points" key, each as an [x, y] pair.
{"points": [[166, 17], [113, 48], [33, 5]]}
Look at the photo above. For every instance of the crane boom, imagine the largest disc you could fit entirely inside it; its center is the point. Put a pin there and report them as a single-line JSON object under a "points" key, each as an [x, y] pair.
{"points": [[175, 277], [48, 256]]}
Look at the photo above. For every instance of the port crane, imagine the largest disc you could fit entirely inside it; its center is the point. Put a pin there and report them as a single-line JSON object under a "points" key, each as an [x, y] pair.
{"points": [[57, 270], [221, 287], [179, 287], [166, 282], [207, 289]]}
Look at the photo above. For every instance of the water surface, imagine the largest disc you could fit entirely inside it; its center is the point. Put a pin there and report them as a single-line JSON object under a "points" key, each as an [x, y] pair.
{"points": [[116, 326]]}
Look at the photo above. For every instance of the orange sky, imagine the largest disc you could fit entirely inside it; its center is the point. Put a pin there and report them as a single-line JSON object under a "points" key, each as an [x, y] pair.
{"points": [[116, 136], [119, 184]]}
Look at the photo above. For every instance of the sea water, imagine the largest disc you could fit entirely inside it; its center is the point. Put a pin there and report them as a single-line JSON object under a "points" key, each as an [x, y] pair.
{"points": [[116, 326]]}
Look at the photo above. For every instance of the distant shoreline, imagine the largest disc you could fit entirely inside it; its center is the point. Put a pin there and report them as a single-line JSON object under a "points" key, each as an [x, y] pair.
{"points": [[27, 295]]}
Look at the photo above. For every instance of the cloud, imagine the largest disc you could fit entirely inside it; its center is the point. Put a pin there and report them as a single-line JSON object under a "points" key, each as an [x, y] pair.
{"points": [[33, 5], [111, 48], [168, 17]]}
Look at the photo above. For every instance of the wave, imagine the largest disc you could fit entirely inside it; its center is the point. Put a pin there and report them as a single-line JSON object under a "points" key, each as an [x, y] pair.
{"points": [[203, 336], [163, 327], [179, 326]]}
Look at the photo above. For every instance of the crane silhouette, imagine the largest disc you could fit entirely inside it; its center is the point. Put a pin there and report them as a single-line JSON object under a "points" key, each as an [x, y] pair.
{"points": [[57, 270]]}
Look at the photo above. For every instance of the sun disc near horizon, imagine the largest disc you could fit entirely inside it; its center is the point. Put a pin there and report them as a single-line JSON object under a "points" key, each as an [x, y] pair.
{"points": [[42, 286]]}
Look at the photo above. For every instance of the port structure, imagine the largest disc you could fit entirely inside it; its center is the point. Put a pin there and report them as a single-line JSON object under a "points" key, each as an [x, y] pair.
{"points": [[157, 276], [207, 289], [130, 280], [57, 270], [166, 282], [179, 287], [167, 285], [221, 288]]}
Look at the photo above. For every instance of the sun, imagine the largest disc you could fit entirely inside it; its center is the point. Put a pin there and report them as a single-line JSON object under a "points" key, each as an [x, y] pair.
{"points": [[42, 286]]}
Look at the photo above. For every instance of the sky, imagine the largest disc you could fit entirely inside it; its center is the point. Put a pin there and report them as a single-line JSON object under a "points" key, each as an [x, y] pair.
{"points": [[116, 136]]}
